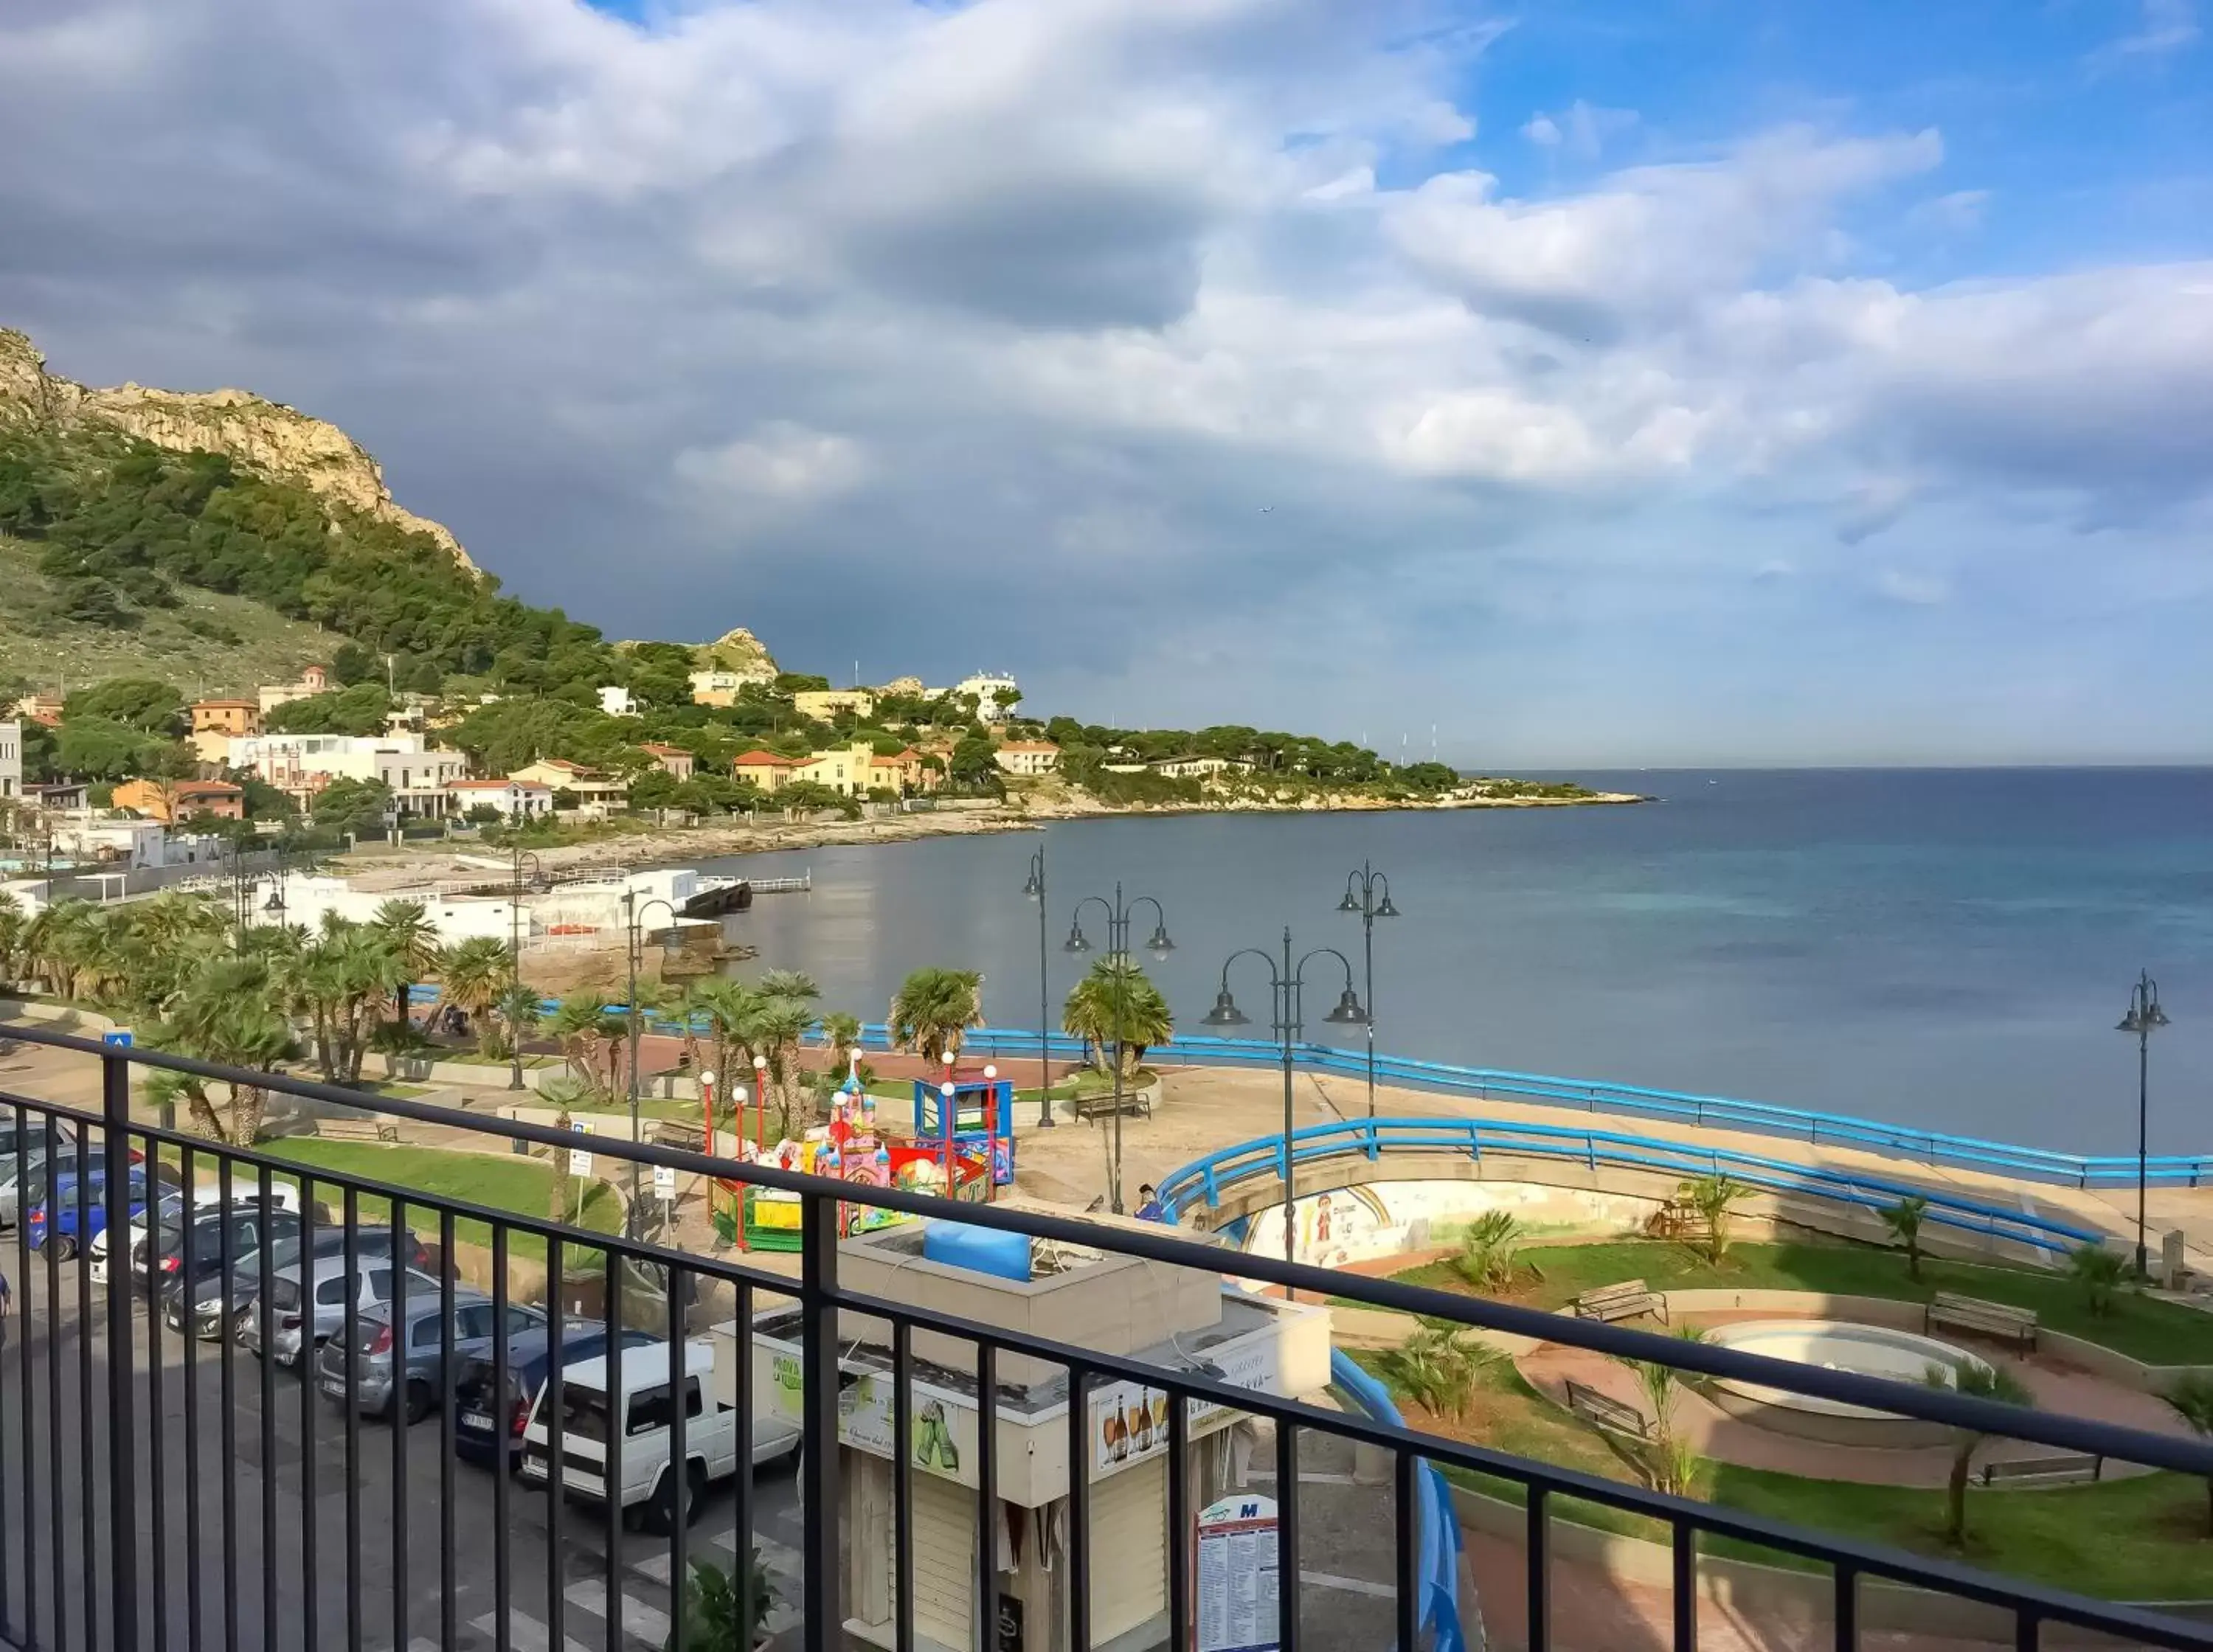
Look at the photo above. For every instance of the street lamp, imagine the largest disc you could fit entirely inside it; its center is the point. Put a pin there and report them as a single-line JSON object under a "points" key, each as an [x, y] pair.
{"points": [[1367, 880], [2144, 1014], [1118, 912], [514, 954], [1034, 889], [671, 947], [760, 1101], [1288, 987]]}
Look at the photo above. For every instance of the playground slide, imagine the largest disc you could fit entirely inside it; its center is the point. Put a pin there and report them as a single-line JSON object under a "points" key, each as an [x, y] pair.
{"points": [[1438, 1572]]}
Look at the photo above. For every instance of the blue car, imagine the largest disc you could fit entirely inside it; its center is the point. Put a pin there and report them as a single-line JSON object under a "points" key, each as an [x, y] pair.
{"points": [[489, 1429], [54, 1218]]}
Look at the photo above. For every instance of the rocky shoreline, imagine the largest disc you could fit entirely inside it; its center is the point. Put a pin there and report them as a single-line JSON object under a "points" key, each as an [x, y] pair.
{"points": [[382, 869]]}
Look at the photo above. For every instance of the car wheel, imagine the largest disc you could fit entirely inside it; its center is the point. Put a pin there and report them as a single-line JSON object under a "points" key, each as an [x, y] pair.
{"points": [[417, 1404], [661, 1513], [65, 1247]]}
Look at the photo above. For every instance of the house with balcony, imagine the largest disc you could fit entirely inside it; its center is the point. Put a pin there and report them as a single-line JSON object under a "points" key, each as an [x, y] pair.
{"points": [[591, 788], [515, 798], [671, 761], [1027, 757]]}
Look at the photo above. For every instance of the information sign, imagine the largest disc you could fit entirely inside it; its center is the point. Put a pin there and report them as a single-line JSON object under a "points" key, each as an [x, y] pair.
{"points": [[1236, 1599], [580, 1159]]}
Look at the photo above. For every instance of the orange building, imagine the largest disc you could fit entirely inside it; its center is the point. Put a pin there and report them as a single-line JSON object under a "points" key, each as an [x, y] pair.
{"points": [[171, 801], [765, 770], [214, 722]]}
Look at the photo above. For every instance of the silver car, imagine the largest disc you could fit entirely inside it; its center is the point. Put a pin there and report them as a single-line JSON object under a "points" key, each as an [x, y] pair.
{"points": [[422, 1336], [307, 1314], [23, 1176]]}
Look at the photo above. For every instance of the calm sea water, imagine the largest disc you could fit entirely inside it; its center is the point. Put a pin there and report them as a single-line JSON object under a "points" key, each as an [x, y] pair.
{"points": [[1949, 948]]}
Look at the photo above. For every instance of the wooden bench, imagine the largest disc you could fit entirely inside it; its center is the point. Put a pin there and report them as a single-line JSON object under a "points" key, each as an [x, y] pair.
{"points": [[1622, 1301], [1608, 1414], [1090, 1108], [357, 1130], [674, 1132], [2065, 1466], [1957, 1313]]}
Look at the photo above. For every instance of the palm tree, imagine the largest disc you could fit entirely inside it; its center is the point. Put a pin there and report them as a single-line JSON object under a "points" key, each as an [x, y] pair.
{"points": [[1439, 1368], [1486, 1258], [1116, 1003], [58, 943], [228, 1014], [933, 1010], [842, 1033], [518, 1008], [13, 924], [473, 978], [2191, 1398], [2099, 1272], [561, 1093], [414, 942], [788, 984], [1713, 1197], [583, 1028], [777, 1028], [1977, 1381], [729, 1008], [1904, 1219], [1666, 1460]]}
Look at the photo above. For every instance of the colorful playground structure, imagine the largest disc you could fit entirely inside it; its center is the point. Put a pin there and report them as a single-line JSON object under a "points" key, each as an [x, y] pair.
{"points": [[963, 1147]]}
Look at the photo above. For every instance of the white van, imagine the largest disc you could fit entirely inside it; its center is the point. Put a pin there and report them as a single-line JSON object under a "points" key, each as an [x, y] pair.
{"points": [[649, 1492]]}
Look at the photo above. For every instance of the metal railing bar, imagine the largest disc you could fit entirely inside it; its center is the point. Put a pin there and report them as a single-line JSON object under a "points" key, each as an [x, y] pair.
{"points": [[502, 1577], [1684, 1544], [611, 1459], [122, 1290], [226, 1250], [1079, 1509], [350, 1330], [310, 1576], [1287, 1533], [902, 1488], [157, 1444], [822, 1630], [54, 1382], [1406, 1596], [1181, 1515], [1538, 1543], [680, 1460], [989, 1522], [401, 1345], [550, 1406], [29, 1483], [745, 1404], [1845, 1612], [266, 1283], [87, 1505]]}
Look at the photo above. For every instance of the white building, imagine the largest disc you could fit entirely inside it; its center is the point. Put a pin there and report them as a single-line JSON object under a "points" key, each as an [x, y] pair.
{"points": [[721, 687], [986, 686], [301, 766], [1031, 757], [1200, 768], [11, 759], [518, 800], [455, 918], [616, 702]]}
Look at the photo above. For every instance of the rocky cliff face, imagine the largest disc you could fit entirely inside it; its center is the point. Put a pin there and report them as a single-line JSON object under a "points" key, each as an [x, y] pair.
{"points": [[738, 650], [277, 440]]}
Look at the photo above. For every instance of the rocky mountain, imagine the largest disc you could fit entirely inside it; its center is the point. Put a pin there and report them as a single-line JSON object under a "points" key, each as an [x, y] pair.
{"points": [[279, 442]]}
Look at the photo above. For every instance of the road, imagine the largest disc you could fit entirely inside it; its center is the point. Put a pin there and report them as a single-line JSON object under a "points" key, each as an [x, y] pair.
{"points": [[229, 1502]]}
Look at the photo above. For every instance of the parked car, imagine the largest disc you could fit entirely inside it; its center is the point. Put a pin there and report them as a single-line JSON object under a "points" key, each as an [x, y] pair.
{"points": [[164, 1252], [650, 1494], [397, 1368], [23, 1176], [56, 1219], [200, 1300], [302, 1315], [488, 1424]]}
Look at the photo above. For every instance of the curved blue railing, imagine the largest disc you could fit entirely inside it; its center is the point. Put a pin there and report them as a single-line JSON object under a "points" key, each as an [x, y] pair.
{"points": [[1438, 1542], [1596, 1096], [1203, 1180]]}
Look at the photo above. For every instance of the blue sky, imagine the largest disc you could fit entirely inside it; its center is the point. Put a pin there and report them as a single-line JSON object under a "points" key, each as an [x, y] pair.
{"points": [[1625, 383]]}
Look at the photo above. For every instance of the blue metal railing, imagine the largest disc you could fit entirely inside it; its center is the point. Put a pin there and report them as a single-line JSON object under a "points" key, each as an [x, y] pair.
{"points": [[1204, 1180], [1598, 1096]]}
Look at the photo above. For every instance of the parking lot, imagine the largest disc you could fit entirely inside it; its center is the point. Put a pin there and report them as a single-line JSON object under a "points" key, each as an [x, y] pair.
{"points": [[241, 1507]]}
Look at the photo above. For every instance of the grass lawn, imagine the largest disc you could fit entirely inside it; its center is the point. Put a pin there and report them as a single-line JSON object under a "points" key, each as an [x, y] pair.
{"points": [[2159, 1333], [503, 1181], [2141, 1538]]}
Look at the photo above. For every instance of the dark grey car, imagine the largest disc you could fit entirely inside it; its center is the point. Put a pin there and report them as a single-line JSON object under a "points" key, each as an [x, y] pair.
{"points": [[380, 1343]]}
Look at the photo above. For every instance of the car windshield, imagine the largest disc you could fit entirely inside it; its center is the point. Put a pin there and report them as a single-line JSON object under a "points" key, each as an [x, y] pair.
{"points": [[584, 1413]]}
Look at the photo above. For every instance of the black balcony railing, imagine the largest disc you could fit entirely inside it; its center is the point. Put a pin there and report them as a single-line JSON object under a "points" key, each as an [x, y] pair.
{"points": [[156, 1492]]}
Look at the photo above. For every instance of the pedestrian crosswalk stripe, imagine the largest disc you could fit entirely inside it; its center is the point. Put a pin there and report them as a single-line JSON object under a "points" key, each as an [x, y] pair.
{"points": [[646, 1622], [524, 1633]]}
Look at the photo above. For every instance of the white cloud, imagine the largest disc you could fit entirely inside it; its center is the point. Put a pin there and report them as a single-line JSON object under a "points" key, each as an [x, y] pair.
{"points": [[2165, 26], [779, 462], [1582, 129]]}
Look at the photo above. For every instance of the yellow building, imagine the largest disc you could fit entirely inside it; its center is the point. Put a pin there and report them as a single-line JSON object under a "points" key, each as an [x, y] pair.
{"points": [[855, 769], [824, 703], [214, 722]]}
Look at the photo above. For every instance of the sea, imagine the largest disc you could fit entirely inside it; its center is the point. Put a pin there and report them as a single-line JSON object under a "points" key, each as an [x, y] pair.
{"points": [[1948, 948]]}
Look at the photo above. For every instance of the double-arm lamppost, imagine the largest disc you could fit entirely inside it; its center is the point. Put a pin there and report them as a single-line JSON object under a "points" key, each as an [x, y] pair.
{"points": [[515, 887], [634, 911], [1034, 888], [1367, 880], [2144, 1014], [1288, 984], [1118, 912]]}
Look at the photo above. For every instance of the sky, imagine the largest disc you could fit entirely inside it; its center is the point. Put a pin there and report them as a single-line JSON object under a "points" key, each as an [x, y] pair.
{"points": [[1651, 382]]}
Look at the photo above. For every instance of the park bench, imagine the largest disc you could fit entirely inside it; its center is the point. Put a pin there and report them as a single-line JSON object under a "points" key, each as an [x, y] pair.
{"points": [[1607, 1414], [674, 1132], [1957, 1313], [357, 1130], [1624, 1300], [1090, 1108], [2064, 1465]]}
